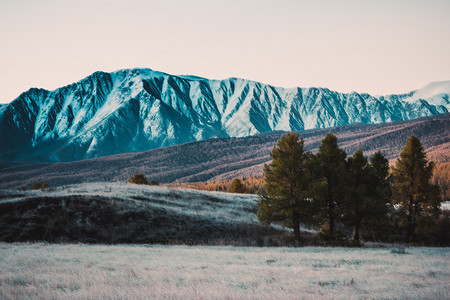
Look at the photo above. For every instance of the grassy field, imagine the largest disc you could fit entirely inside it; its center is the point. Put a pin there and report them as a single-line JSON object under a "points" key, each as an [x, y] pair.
{"points": [[45, 271], [120, 213]]}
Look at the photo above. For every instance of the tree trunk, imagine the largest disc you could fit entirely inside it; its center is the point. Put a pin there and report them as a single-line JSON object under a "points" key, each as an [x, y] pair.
{"points": [[356, 234], [411, 226], [296, 219], [330, 210], [331, 217]]}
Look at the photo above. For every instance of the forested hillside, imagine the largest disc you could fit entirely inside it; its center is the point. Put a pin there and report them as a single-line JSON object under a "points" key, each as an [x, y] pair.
{"points": [[228, 158]]}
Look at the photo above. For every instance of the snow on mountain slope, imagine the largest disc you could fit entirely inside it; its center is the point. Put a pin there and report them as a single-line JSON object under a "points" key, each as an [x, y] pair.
{"points": [[141, 109], [228, 158], [435, 93]]}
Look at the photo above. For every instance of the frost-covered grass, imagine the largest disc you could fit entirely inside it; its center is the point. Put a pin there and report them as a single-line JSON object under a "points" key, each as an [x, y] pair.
{"points": [[212, 205], [79, 271], [117, 213]]}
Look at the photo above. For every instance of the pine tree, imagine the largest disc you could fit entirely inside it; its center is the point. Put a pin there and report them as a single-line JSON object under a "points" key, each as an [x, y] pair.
{"points": [[329, 170], [286, 184], [357, 196], [367, 193], [417, 198], [380, 189], [380, 165]]}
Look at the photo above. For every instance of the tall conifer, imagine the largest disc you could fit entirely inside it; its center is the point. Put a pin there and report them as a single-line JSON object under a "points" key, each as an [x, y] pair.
{"points": [[380, 189], [417, 198], [286, 185], [329, 171], [367, 194], [357, 197]]}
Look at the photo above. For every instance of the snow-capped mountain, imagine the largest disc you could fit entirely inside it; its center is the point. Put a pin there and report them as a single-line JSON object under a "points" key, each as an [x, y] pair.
{"points": [[140, 109]]}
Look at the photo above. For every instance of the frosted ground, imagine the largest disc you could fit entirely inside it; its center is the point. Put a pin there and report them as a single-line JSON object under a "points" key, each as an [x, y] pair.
{"points": [[79, 271], [120, 213], [224, 207], [45, 271]]}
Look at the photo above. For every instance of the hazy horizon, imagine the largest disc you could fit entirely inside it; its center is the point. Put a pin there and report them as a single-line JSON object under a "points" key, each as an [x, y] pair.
{"points": [[380, 48]]}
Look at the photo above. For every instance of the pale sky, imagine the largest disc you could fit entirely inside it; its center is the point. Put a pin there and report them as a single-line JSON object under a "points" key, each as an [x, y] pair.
{"points": [[376, 46]]}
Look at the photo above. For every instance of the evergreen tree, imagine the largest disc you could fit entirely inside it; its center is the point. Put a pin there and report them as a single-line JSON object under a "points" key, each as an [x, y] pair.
{"points": [[286, 184], [380, 189], [417, 198], [329, 168], [380, 166], [357, 197], [366, 197]]}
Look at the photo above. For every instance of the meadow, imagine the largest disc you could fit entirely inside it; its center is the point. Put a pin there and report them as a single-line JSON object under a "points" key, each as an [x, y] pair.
{"points": [[79, 271]]}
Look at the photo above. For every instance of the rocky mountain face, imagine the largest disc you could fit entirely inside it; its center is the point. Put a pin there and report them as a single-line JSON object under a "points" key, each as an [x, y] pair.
{"points": [[140, 109], [228, 158]]}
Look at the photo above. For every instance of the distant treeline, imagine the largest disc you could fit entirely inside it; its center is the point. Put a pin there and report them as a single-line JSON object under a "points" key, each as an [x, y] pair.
{"points": [[255, 184], [251, 185], [441, 177], [353, 196]]}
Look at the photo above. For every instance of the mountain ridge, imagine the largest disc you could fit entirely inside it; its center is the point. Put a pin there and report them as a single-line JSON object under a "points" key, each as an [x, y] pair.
{"points": [[133, 110], [227, 158]]}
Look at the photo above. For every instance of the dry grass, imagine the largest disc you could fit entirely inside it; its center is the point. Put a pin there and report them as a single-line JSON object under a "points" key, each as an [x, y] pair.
{"points": [[116, 213], [43, 271]]}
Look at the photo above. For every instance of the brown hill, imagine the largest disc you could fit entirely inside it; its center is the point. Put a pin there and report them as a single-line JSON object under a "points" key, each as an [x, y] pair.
{"points": [[223, 159]]}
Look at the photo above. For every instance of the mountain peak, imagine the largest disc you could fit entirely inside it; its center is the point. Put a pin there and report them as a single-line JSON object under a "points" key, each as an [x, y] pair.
{"points": [[433, 88], [140, 109], [435, 93]]}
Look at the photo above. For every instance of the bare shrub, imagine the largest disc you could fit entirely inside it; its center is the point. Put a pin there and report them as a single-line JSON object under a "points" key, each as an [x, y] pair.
{"points": [[237, 187], [39, 186], [399, 250], [138, 179]]}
